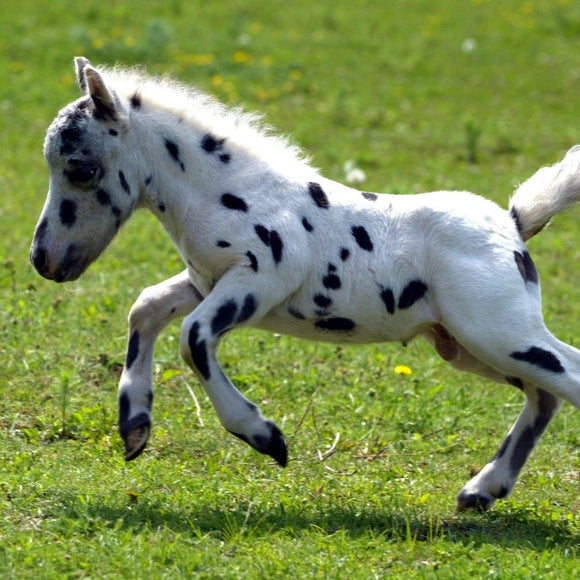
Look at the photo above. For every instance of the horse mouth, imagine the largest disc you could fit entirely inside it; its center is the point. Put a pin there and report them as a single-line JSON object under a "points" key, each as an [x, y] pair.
{"points": [[70, 268]]}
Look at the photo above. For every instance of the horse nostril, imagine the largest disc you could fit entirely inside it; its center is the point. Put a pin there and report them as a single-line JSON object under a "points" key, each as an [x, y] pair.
{"points": [[38, 259]]}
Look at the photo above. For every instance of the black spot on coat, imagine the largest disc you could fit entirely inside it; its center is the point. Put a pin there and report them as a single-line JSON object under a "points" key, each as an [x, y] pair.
{"points": [[307, 225], [70, 138], [318, 195], [344, 254], [415, 290], [541, 358], [388, 299], [263, 234], [504, 446], [253, 261], [272, 239], [322, 300], [103, 197], [331, 281], [124, 408], [527, 440], [136, 101], [370, 196], [210, 144], [362, 238], [132, 350], [335, 324], [68, 212], [198, 349], [276, 245], [173, 150], [124, 184], [526, 267], [224, 317], [234, 202], [249, 308], [222, 244]]}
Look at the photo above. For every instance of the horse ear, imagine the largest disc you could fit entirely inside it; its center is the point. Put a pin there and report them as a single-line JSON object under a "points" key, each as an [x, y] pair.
{"points": [[92, 83], [80, 64]]}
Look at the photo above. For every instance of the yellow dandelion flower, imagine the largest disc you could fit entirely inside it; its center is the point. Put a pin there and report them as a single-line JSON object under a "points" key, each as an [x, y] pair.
{"points": [[203, 59], [295, 74], [217, 80], [98, 43], [262, 94], [129, 41], [403, 370], [267, 61], [241, 57]]}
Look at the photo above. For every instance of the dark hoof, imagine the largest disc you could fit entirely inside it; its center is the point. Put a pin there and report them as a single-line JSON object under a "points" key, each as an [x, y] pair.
{"points": [[473, 501], [135, 434], [274, 446]]}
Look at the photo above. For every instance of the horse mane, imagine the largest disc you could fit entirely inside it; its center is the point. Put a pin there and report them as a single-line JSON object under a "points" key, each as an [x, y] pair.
{"points": [[193, 106]]}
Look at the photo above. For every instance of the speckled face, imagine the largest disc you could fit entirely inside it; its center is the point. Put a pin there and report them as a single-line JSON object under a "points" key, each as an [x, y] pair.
{"points": [[91, 194]]}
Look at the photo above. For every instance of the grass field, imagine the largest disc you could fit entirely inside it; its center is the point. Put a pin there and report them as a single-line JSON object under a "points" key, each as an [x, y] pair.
{"points": [[421, 95]]}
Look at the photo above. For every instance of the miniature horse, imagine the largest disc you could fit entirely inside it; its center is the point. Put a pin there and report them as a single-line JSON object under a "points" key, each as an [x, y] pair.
{"points": [[268, 242]]}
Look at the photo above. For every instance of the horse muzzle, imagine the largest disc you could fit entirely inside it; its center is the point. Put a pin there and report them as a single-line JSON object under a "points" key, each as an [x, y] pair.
{"points": [[68, 268]]}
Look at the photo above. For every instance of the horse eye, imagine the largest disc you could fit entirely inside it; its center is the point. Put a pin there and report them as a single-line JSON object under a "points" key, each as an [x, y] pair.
{"points": [[82, 173]]}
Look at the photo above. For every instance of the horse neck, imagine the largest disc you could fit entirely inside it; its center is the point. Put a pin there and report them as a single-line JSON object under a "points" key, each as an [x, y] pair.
{"points": [[185, 163]]}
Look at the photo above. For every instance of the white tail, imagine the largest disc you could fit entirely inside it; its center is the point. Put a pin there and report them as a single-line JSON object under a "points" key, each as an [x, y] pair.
{"points": [[550, 191]]}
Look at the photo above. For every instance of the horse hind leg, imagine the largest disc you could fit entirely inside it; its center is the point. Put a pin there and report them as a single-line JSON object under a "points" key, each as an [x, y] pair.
{"points": [[546, 369], [497, 479]]}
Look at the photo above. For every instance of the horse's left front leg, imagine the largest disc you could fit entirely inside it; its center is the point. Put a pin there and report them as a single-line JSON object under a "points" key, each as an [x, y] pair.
{"points": [[155, 308], [240, 297]]}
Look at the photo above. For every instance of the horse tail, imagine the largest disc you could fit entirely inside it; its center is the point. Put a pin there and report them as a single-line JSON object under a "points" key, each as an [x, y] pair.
{"points": [[550, 191]]}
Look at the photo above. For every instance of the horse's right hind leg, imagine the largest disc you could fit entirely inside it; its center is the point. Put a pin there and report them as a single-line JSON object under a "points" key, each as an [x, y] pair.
{"points": [[497, 479], [531, 358]]}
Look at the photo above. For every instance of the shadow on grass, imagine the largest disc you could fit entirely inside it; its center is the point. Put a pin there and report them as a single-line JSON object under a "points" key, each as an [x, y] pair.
{"points": [[512, 529]]}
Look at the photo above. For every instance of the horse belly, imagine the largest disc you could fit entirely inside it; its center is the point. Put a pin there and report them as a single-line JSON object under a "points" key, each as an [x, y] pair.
{"points": [[358, 322]]}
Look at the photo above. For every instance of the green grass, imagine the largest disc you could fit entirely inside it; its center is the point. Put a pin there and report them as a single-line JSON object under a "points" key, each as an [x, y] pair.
{"points": [[421, 95]]}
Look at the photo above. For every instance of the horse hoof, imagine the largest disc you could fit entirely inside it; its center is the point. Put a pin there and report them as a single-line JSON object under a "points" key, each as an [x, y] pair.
{"points": [[135, 435], [467, 500], [274, 446]]}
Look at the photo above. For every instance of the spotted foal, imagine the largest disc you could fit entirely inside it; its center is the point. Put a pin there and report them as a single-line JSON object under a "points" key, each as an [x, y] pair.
{"points": [[268, 242]]}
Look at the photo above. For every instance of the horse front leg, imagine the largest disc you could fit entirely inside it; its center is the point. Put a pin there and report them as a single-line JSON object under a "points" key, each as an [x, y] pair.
{"points": [[236, 300], [155, 308]]}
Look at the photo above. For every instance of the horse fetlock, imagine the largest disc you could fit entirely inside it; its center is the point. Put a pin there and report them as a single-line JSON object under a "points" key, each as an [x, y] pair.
{"points": [[135, 434], [271, 443]]}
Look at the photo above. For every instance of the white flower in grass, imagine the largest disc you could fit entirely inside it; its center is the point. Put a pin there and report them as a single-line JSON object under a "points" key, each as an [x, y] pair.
{"points": [[353, 174], [469, 45]]}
